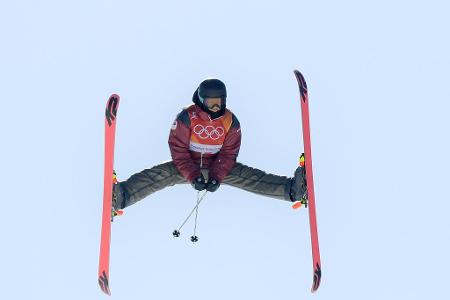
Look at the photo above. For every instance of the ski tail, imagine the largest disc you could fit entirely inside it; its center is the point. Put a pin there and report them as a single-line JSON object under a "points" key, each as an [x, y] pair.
{"points": [[103, 281], [110, 131], [304, 103]]}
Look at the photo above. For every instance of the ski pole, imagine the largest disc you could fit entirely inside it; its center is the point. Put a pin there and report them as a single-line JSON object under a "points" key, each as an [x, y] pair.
{"points": [[176, 232]]}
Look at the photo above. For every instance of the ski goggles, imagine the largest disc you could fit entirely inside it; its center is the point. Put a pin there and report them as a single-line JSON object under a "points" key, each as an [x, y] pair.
{"points": [[212, 102]]}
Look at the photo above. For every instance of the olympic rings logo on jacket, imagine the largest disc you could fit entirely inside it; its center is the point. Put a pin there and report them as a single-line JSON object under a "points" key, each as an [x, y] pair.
{"points": [[209, 131]]}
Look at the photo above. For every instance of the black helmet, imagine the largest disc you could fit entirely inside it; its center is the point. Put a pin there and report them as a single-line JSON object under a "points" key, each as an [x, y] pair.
{"points": [[211, 88]]}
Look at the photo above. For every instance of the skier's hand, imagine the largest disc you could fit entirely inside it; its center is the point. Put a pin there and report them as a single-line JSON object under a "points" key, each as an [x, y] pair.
{"points": [[212, 185], [199, 183]]}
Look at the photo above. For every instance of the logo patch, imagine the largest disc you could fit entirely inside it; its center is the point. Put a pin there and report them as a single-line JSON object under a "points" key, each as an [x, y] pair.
{"points": [[174, 125], [214, 133]]}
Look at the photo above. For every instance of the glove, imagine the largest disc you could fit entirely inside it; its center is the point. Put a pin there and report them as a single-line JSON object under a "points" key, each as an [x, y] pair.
{"points": [[212, 185], [199, 183]]}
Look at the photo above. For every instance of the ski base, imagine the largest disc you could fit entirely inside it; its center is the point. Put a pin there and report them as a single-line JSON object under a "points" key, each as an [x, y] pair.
{"points": [[107, 214], [307, 161]]}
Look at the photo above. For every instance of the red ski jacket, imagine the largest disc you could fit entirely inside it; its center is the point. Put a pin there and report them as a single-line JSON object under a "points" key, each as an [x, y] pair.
{"points": [[198, 142]]}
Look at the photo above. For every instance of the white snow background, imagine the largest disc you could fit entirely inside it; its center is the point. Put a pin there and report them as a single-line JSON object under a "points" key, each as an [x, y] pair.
{"points": [[378, 78]]}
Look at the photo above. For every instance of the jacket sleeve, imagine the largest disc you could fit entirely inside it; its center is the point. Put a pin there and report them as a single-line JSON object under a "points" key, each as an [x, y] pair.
{"points": [[226, 158], [179, 138]]}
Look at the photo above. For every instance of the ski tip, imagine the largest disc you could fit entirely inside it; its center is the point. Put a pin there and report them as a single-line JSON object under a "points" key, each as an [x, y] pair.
{"points": [[105, 290], [103, 282], [299, 75], [317, 277], [113, 99], [302, 85], [114, 95], [111, 109]]}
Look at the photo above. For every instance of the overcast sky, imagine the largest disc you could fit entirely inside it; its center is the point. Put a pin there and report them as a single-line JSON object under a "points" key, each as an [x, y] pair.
{"points": [[379, 87]]}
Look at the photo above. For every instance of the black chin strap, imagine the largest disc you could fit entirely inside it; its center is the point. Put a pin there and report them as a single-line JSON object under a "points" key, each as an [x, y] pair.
{"points": [[217, 114]]}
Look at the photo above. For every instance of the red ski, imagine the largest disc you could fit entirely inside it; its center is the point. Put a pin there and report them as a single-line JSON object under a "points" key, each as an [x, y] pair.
{"points": [[110, 131], [311, 203]]}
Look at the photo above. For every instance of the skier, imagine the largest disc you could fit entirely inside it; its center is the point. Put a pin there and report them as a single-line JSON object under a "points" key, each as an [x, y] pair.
{"points": [[204, 143]]}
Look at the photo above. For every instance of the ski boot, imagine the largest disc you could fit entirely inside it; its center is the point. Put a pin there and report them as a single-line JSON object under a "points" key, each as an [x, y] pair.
{"points": [[117, 198], [299, 192]]}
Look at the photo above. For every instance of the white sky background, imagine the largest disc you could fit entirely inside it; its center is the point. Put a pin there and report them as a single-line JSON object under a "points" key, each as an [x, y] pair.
{"points": [[378, 77]]}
